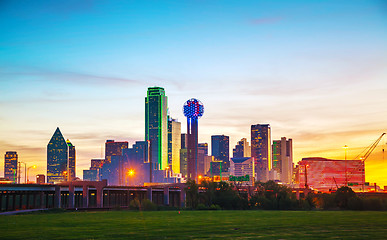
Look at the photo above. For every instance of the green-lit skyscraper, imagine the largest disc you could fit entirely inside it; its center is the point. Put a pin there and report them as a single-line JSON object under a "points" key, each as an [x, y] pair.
{"points": [[156, 126]]}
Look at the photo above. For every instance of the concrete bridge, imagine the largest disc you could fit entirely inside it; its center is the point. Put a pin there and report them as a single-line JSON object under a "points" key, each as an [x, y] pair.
{"points": [[86, 194]]}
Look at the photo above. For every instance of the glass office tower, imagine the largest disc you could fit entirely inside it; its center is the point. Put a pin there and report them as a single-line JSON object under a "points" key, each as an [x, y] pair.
{"points": [[156, 127]]}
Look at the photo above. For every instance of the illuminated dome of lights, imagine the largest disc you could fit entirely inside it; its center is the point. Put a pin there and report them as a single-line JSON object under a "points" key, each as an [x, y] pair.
{"points": [[193, 108]]}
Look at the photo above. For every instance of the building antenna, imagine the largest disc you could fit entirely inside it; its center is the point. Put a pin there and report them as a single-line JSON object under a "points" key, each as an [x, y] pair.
{"points": [[101, 151]]}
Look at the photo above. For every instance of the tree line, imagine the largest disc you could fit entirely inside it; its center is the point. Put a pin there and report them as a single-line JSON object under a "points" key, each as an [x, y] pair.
{"points": [[272, 196]]}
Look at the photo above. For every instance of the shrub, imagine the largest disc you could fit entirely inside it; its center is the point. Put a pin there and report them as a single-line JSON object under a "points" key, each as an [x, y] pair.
{"points": [[135, 204], [201, 206], [373, 204], [215, 207], [260, 202], [328, 201], [148, 205], [355, 203]]}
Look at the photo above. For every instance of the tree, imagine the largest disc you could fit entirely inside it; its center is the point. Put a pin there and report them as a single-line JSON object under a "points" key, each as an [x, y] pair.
{"points": [[208, 195], [342, 196], [192, 193], [270, 195]]}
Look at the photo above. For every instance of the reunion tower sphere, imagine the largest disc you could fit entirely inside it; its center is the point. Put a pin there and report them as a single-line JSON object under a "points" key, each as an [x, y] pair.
{"points": [[193, 108]]}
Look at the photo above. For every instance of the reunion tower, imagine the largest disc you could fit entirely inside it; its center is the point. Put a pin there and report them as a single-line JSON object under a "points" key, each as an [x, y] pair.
{"points": [[193, 109]]}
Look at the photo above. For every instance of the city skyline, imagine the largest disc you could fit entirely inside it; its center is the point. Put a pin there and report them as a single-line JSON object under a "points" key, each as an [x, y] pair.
{"points": [[314, 71]]}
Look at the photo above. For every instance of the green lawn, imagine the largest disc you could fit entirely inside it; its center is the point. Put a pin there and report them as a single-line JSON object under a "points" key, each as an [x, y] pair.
{"points": [[196, 224]]}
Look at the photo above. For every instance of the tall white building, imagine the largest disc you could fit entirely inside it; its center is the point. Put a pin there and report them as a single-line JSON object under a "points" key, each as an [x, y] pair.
{"points": [[174, 144]]}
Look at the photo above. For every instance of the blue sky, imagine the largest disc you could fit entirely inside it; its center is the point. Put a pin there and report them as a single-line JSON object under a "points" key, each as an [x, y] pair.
{"points": [[314, 70]]}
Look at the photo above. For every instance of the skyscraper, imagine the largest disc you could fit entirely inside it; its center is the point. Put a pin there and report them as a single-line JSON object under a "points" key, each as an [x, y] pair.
{"points": [[136, 161], [113, 162], [72, 161], [183, 161], [156, 127], [174, 144], [193, 110], [283, 159], [242, 149], [204, 147], [220, 149], [96, 164], [261, 150], [202, 153], [10, 166], [57, 158], [113, 148], [183, 154]]}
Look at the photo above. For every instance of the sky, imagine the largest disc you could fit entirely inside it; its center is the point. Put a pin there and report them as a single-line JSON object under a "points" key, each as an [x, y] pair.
{"points": [[316, 71]]}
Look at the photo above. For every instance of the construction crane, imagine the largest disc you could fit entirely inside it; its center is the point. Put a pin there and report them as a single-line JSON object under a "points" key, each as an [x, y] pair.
{"points": [[367, 154], [370, 149]]}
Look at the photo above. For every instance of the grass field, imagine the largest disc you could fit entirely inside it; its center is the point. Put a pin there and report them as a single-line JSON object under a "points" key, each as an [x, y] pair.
{"points": [[196, 224]]}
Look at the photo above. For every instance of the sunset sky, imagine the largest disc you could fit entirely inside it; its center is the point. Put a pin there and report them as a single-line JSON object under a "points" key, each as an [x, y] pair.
{"points": [[316, 71]]}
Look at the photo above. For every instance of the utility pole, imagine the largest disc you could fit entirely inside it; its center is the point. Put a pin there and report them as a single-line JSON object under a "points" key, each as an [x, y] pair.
{"points": [[18, 174], [306, 176], [345, 153]]}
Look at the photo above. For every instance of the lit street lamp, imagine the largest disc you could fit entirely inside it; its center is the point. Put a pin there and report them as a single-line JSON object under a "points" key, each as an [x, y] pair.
{"points": [[131, 173]]}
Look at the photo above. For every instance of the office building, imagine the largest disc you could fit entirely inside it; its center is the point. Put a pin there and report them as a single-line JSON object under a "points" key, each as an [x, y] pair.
{"points": [[326, 175], [57, 158], [156, 126], [261, 150], [242, 149], [40, 179], [184, 140], [174, 145], [90, 175], [96, 163], [243, 166], [111, 171], [202, 154], [204, 147], [183, 161], [220, 149], [193, 109], [207, 164], [200, 162], [216, 168], [72, 161], [136, 166], [113, 148], [10, 166], [183, 154], [283, 159]]}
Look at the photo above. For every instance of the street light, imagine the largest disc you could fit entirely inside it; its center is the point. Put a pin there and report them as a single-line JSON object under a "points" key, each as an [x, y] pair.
{"points": [[306, 175], [131, 173], [34, 166]]}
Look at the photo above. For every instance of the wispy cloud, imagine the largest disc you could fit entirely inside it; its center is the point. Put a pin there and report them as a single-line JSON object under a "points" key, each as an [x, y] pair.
{"points": [[39, 74]]}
